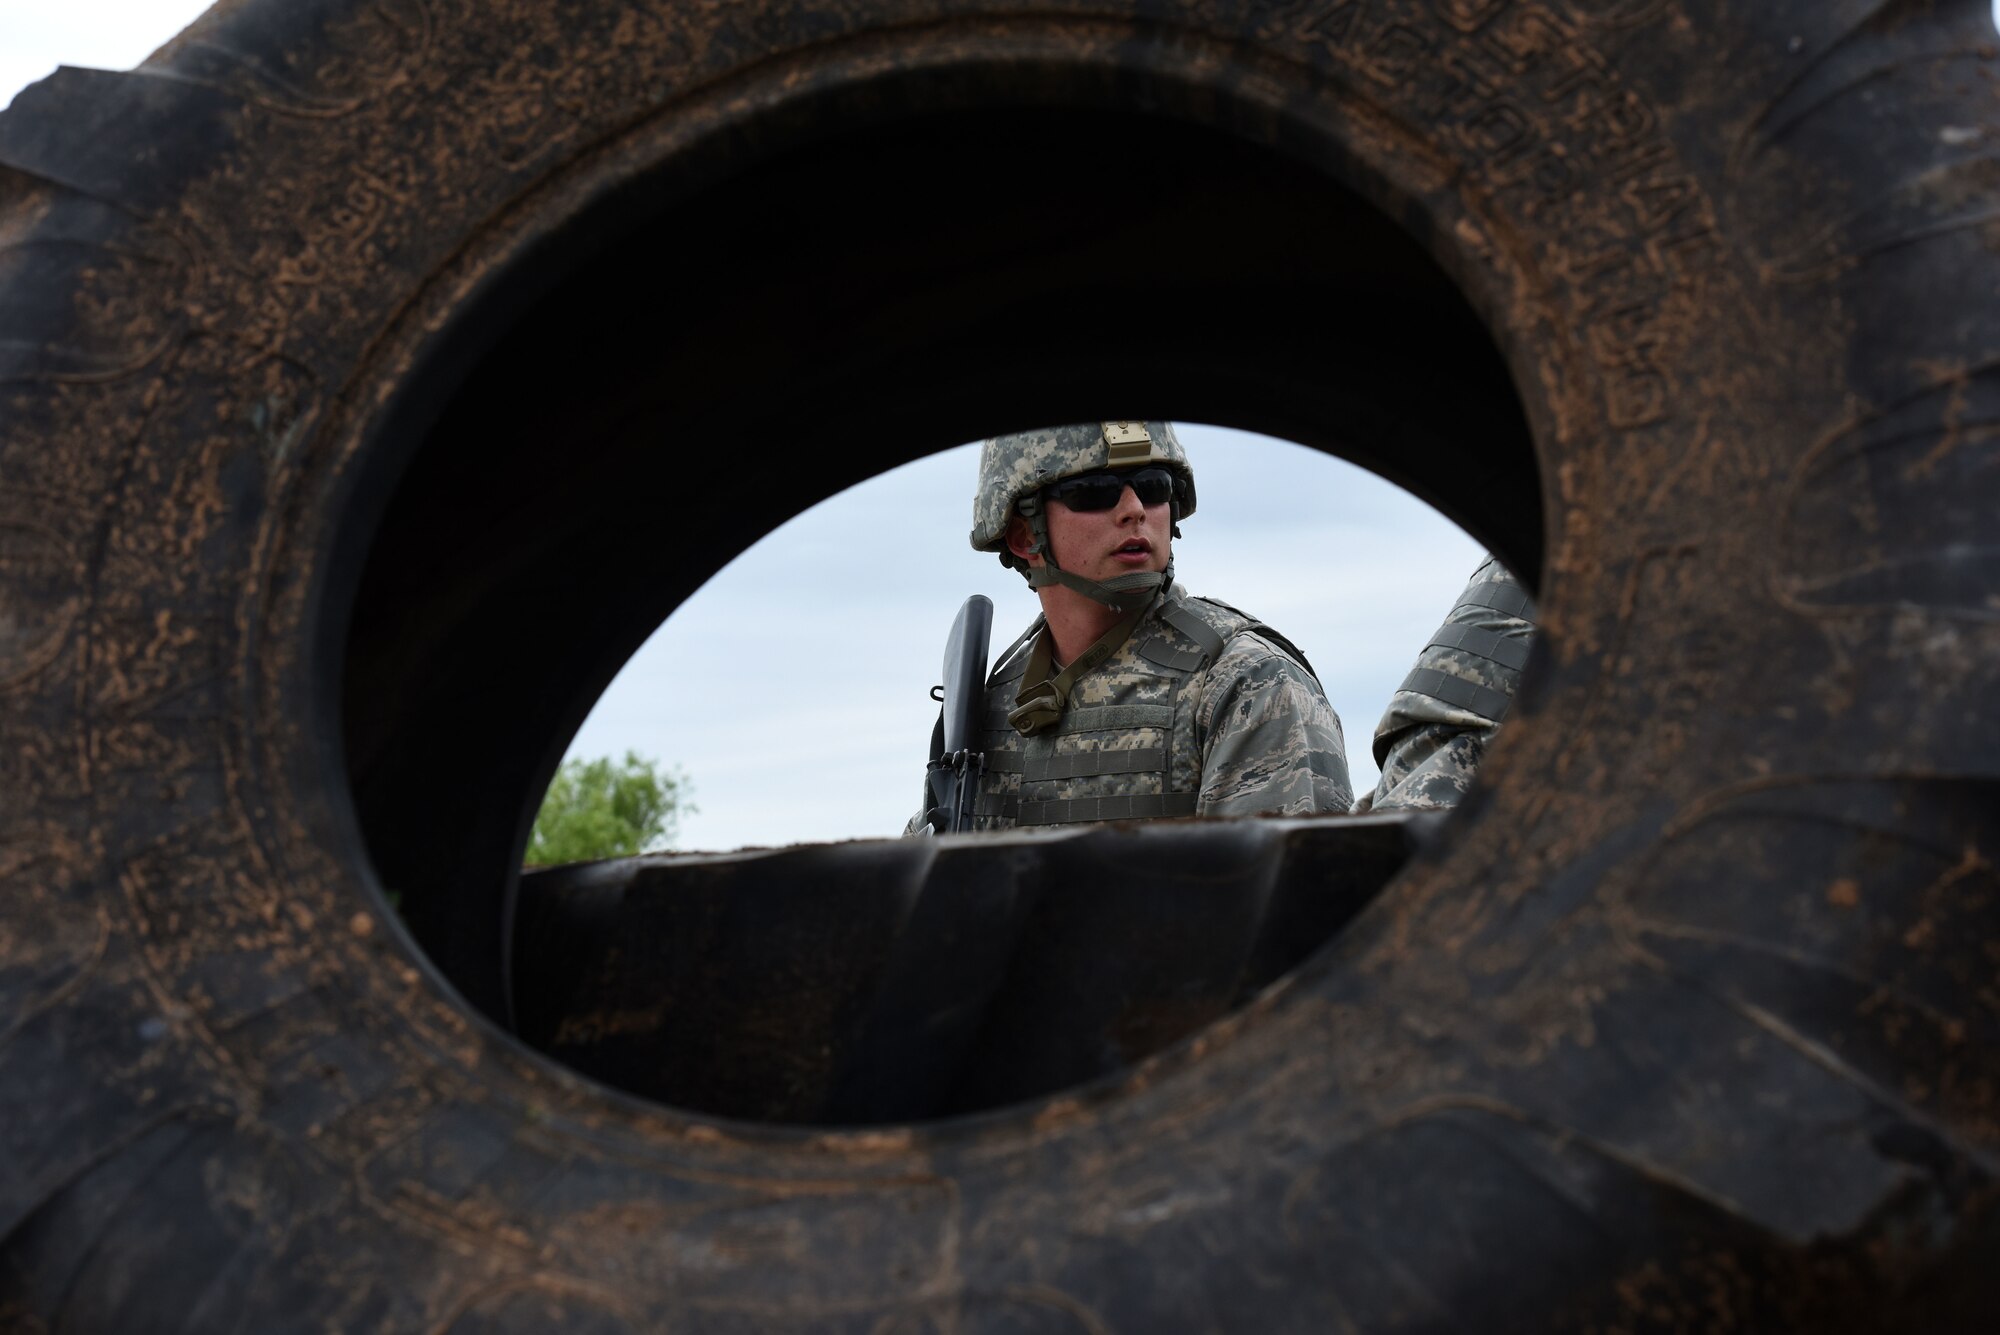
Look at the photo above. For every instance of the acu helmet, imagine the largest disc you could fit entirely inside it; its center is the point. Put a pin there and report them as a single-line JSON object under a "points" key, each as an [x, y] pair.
{"points": [[1014, 469]]}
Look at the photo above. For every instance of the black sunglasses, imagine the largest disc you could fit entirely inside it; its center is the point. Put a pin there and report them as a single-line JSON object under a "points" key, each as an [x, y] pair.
{"points": [[1101, 491]]}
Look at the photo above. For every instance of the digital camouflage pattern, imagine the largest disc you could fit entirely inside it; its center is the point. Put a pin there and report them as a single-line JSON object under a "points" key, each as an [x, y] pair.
{"points": [[1434, 732], [1011, 467], [1275, 744], [1165, 728]]}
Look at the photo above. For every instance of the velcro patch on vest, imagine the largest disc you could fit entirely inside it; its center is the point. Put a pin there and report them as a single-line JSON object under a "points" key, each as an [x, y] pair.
{"points": [[1115, 718], [1145, 806], [1167, 656], [1190, 624], [1082, 764]]}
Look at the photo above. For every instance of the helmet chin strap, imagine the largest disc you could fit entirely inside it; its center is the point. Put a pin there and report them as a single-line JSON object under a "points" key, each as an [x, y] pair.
{"points": [[1044, 692], [1121, 593]]}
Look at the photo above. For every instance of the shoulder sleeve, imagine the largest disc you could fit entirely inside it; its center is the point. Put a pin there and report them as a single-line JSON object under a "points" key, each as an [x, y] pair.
{"points": [[1270, 743], [1433, 735]]}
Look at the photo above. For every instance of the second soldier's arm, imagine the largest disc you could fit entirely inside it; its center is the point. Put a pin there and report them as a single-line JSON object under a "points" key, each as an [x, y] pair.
{"points": [[1270, 742], [1434, 733]]}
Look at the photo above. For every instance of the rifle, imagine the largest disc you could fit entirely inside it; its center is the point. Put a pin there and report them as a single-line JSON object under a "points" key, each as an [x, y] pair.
{"points": [[952, 777]]}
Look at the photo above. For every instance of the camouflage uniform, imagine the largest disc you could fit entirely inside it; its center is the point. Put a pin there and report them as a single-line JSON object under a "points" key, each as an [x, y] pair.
{"points": [[1434, 733], [1199, 710], [1200, 713]]}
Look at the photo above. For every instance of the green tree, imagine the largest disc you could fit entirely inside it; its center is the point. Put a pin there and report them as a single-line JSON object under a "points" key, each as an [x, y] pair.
{"points": [[608, 809]]}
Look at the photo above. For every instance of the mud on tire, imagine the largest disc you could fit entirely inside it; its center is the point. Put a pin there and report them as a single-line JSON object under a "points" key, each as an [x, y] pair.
{"points": [[339, 333]]}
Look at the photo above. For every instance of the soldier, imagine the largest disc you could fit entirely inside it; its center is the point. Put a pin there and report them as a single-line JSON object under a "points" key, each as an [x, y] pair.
{"points": [[1434, 732], [1128, 698]]}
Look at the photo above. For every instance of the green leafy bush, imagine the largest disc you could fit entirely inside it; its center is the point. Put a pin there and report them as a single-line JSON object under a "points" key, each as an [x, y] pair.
{"points": [[608, 809]]}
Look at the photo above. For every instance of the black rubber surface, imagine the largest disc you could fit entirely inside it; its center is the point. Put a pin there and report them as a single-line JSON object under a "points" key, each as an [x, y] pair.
{"points": [[341, 333], [908, 981]]}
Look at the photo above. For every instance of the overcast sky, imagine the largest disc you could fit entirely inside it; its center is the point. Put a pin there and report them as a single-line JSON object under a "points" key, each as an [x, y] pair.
{"points": [[1355, 571]]}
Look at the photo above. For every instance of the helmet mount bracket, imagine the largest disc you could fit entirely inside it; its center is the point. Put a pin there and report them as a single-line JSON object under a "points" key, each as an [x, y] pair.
{"points": [[1127, 443]]}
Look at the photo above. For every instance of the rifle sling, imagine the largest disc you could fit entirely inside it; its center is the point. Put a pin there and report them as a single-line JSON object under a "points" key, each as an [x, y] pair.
{"points": [[1039, 705]]}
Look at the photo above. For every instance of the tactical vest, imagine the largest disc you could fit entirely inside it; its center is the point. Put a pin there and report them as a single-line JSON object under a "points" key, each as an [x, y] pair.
{"points": [[1125, 748]]}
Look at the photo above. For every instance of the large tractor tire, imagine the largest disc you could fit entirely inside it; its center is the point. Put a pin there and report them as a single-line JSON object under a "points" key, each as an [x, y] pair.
{"points": [[346, 339]]}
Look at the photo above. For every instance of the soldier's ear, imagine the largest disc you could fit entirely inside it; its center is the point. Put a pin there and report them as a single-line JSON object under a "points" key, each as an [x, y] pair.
{"points": [[1021, 540]]}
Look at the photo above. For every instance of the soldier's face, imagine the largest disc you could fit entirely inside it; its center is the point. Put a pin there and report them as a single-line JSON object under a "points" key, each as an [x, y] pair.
{"points": [[1100, 544]]}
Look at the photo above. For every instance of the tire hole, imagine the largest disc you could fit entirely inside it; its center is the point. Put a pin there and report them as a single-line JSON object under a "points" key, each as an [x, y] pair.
{"points": [[764, 668], [707, 354]]}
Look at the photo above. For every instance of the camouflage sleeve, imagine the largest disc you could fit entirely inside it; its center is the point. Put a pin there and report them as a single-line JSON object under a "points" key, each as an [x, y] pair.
{"points": [[1434, 732], [1270, 742], [1432, 767]]}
